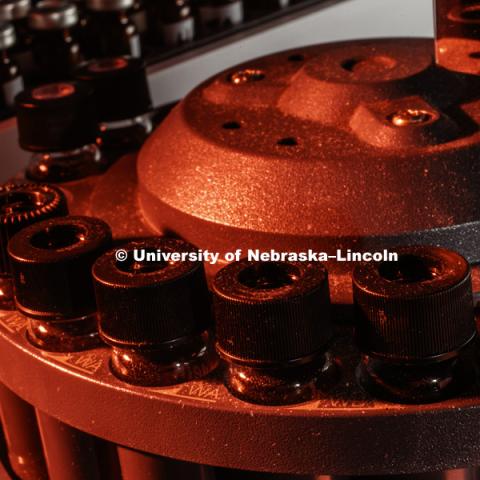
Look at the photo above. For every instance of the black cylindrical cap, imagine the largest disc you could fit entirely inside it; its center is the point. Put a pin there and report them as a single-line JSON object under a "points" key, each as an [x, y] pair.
{"points": [[142, 304], [56, 117], [22, 205], [120, 87], [417, 308], [271, 311], [173, 11], [51, 264]]}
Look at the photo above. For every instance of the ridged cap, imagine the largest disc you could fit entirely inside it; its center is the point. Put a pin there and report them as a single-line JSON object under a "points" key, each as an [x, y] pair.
{"points": [[417, 308], [11, 10], [109, 5], [53, 15], [56, 117], [51, 263], [143, 304], [110, 79], [272, 311], [22, 205], [7, 36]]}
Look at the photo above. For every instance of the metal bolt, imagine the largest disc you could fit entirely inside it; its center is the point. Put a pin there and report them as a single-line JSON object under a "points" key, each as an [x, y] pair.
{"points": [[247, 75], [411, 117]]}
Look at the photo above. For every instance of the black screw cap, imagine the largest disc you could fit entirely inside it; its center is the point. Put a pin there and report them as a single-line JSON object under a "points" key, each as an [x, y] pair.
{"points": [[22, 205], [173, 11], [120, 87], [56, 117], [271, 311], [51, 263], [143, 304], [414, 309]]}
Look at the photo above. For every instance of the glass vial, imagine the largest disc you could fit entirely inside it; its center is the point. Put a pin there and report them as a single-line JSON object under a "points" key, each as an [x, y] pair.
{"points": [[415, 325], [273, 327], [56, 122], [123, 103], [55, 46], [21, 206], [154, 314], [51, 264], [109, 31], [172, 22], [16, 12], [220, 14], [11, 81]]}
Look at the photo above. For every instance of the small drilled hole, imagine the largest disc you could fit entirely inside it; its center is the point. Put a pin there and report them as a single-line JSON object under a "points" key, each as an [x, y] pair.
{"points": [[475, 55], [296, 57], [288, 142], [269, 275], [411, 117], [231, 126], [410, 269]]}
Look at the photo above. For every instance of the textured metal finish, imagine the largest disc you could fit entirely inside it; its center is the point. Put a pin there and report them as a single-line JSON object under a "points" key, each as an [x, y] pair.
{"points": [[340, 432], [305, 157]]}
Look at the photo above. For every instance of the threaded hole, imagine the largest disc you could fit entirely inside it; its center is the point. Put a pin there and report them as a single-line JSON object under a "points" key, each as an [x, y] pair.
{"points": [[288, 142], [57, 237], [268, 275], [231, 125], [410, 269], [246, 76]]}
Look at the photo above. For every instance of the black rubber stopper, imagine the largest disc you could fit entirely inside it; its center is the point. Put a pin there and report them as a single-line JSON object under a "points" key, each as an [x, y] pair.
{"points": [[120, 87], [271, 311], [414, 309], [56, 117], [51, 263], [142, 304], [22, 205]]}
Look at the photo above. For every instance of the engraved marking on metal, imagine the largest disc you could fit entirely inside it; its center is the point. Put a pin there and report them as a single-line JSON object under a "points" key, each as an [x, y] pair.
{"points": [[13, 321], [87, 362]]}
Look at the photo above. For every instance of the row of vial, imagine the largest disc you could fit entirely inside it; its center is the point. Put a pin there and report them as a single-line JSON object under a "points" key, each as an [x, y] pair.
{"points": [[270, 322], [46, 41], [76, 129]]}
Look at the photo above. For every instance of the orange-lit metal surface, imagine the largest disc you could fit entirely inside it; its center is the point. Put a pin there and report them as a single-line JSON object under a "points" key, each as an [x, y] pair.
{"points": [[358, 145]]}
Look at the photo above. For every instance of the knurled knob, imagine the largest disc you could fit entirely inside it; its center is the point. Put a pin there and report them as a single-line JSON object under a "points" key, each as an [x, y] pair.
{"points": [[270, 312], [51, 265], [418, 308], [22, 205]]}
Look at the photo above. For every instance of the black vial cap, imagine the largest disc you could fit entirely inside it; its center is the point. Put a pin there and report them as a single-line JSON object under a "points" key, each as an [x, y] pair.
{"points": [[271, 312], [173, 11], [418, 308], [22, 205], [56, 117], [120, 87], [143, 304], [51, 263]]}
